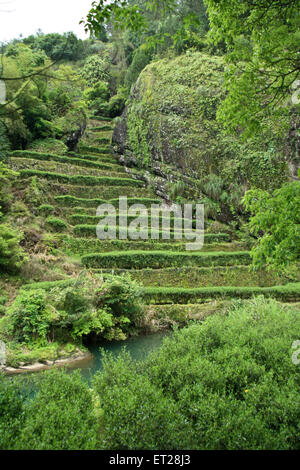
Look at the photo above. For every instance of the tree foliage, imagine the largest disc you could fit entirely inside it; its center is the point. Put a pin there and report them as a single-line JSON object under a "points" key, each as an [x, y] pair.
{"points": [[262, 40], [40, 103], [107, 309], [275, 219]]}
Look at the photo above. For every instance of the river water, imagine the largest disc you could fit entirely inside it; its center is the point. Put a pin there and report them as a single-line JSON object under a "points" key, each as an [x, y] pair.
{"points": [[138, 347]]}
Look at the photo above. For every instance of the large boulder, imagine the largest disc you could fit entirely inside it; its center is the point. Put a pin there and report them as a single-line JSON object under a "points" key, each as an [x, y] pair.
{"points": [[170, 122]]}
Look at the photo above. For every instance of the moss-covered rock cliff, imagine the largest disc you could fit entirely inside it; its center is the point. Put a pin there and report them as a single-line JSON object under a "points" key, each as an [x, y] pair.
{"points": [[170, 124]]}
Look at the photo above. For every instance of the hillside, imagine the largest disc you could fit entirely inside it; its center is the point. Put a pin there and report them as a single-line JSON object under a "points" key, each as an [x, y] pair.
{"points": [[57, 196], [150, 230]]}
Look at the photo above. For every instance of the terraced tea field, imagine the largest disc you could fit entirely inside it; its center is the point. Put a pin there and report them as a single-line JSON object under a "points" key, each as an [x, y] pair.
{"points": [[74, 185]]}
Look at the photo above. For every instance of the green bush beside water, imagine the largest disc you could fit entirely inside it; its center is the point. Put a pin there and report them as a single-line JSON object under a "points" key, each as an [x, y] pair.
{"points": [[66, 312], [228, 383]]}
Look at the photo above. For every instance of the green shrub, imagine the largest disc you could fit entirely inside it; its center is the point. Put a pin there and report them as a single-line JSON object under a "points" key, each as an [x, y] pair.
{"points": [[101, 107], [86, 230], [4, 143], [60, 416], [19, 209], [194, 277], [70, 310], [93, 158], [72, 201], [46, 209], [139, 200], [57, 224], [12, 398], [102, 140], [82, 218], [12, 255], [71, 245], [228, 383], [30, 317], [116, 105], [122, 296], [276, 221], [142, 57], [48, 285], [161, 259], [98, 91]]}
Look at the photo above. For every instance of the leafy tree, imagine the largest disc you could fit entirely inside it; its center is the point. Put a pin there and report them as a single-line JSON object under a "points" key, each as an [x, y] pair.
{"points": [[59, 46], [262, 40], [43, 105], [150, 18], [30, 317], [105, 309], [141, 58], [275, 219], [95, 69]]}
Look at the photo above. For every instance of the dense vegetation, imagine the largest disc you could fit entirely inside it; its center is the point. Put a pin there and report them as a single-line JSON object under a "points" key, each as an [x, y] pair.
{"points": [[226, 384], [167, 101]]}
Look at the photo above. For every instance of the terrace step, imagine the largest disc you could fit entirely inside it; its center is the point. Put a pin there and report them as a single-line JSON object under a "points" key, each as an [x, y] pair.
{"points": [[163, 259], [80, 161], [103, 128], [166, 295], [97, 192], [174, 223], [93, 149], [289, 293], [80, 179], [19, 164], [101, 141], [85, 230], [107, 159], [192, 277], [69, 200], [82, 246]]}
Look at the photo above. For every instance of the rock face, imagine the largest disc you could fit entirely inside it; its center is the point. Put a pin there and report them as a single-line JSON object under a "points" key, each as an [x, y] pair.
{"points": [[74, 137], [170, 128], [119, 137]]}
